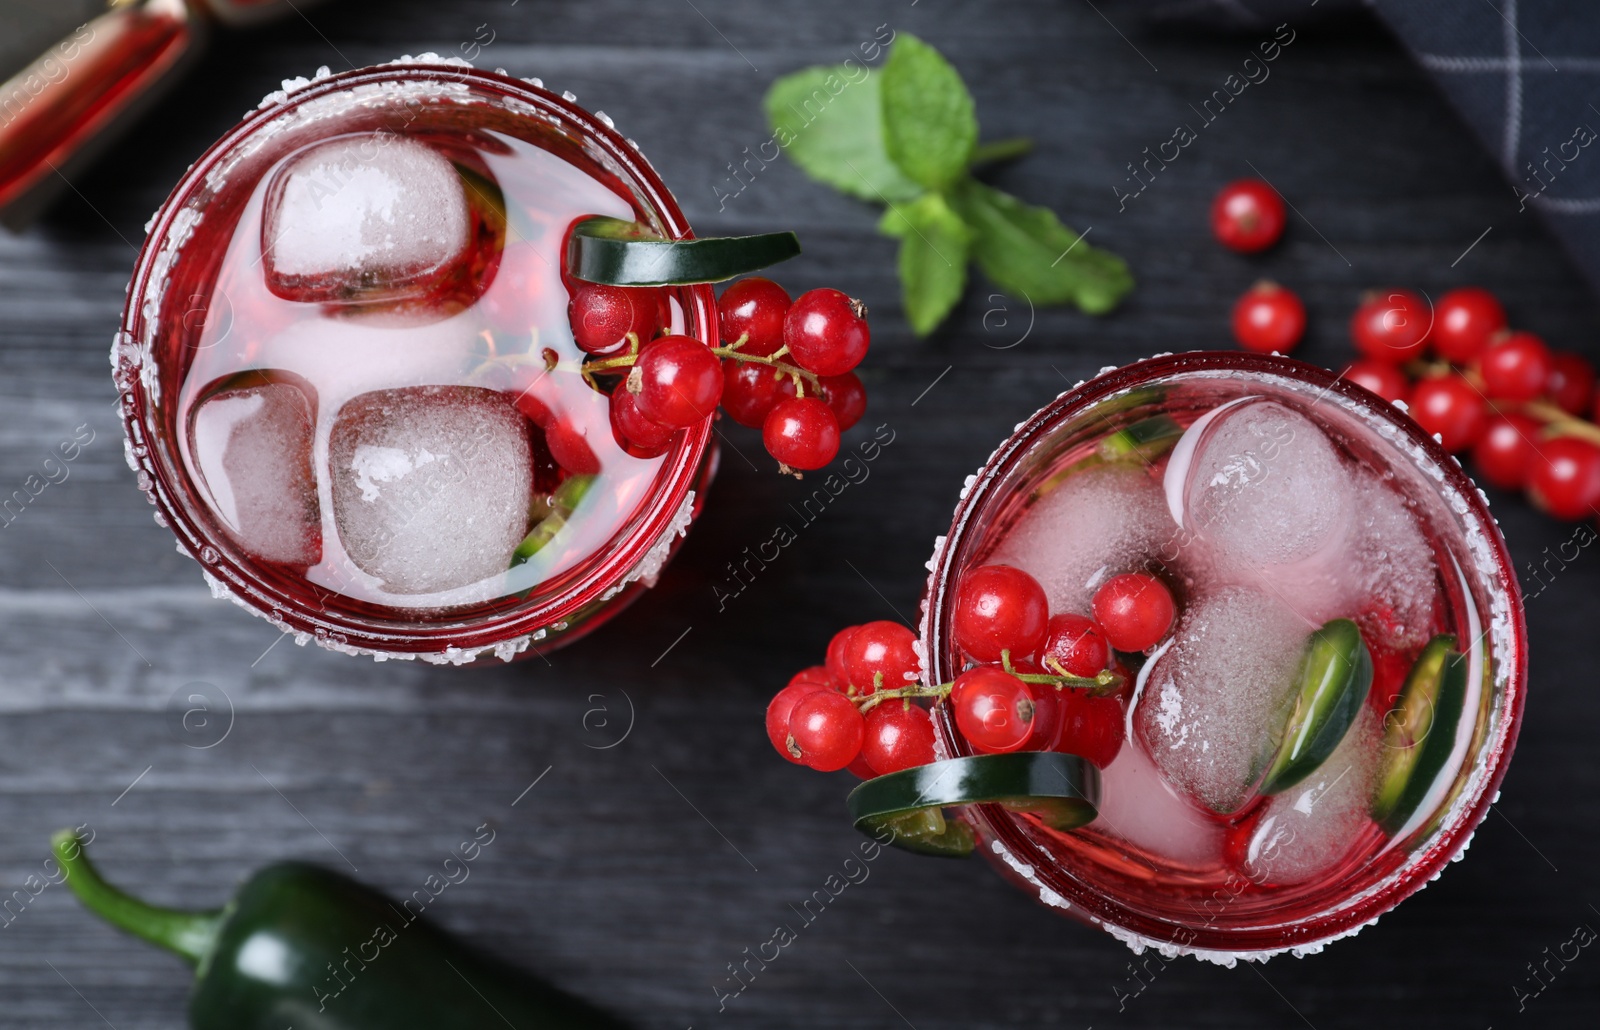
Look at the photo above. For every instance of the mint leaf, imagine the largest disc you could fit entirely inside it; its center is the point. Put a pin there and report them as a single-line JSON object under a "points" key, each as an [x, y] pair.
{"points": [[934, 245], [929, 125], [829, 119], [1028, 252]]}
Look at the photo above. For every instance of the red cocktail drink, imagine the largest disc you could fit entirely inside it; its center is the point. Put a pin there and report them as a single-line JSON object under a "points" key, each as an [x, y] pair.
{"points": [[349, 381], [1245, 805]]}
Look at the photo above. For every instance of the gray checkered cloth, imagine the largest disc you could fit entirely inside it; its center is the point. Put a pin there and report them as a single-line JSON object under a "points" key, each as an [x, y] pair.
{"points": [[1524, 74]]}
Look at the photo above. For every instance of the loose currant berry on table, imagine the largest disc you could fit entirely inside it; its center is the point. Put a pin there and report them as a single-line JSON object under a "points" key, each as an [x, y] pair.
{"points": [[1000, 608], [1268, 318], [753, 308], [1382, 378], [1392, 326], [1090, 726], [1504, 455], [826, 729], [994, 710], [801, 432], [880, 649], [779, 710], [1565, 480], [1248, 216], [899, 736], [634, 433], [838, 647], [749, 391], [1074, 646], [679, 380], [1515, 367], [1134, 611], [1571, 382], [602, 316], [1451, 408], [1463, 322], [1506, 452], [826, 332]]}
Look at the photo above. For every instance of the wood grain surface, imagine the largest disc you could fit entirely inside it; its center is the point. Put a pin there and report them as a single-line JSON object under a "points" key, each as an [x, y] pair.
{"points": [[662, 838]]}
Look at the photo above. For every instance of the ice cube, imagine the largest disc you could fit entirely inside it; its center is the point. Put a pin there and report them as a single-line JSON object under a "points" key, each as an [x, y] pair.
{"points": [[1261, 485], [252, 443], [431, 485], [1311, 827], [365, 217], [1138, 805], [1391, 576], [1212, 701], [1096, 524]]}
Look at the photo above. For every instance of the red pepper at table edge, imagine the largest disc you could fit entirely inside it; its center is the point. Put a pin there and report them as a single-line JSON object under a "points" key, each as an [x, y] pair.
{"points": [[302, 946]]}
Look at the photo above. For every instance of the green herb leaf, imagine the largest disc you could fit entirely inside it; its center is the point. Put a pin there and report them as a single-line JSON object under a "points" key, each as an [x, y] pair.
{"points": [[1028, 252], [929, 125], [830, 121], [934, 250]]}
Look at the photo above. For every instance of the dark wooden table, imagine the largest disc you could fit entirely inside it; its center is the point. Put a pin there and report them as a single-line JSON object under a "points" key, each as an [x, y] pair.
{"points": [[634, 874]]}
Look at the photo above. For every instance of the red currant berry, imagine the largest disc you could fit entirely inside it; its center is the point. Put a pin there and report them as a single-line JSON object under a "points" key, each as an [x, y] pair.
{"points": [[880, 649], [994, 710], [1000, 608], [1506, 452], [634, 433], [838, 647], [826, 332], [1046, 712], [1571, 383], [846, 397], [1268, 318], [861, 769], [1463, 322], [1134, 611], [1074, 646], [680, 381], [780, 708], [801, 432], [602, 316], [1452, 409], [899, 736], [1382, 378], [570, 448], [827, 729], [1565, 482], [1515, 367], [1091, 726], [1392, 326], [1248, 216], [749, 391], [753, 309], [817, 674]]}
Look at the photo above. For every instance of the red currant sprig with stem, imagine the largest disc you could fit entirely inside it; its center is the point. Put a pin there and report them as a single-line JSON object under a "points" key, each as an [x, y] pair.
{"points": [[1038, 682], [810, 347]]}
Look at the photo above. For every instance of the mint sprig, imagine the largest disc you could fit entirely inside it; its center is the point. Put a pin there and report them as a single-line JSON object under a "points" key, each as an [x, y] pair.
{"points": [[907, 137]]}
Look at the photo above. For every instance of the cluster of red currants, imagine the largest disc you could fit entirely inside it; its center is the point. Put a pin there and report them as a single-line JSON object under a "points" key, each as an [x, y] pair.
{"points": [[1037, 682], [783, 367], [1527, 414], [1518, 407]]}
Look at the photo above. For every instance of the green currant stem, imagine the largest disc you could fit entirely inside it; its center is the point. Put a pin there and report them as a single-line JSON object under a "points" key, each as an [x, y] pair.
{"points": [[800, 375], [620, 361], [1559, 423], [1106, 681]]}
